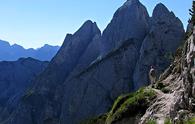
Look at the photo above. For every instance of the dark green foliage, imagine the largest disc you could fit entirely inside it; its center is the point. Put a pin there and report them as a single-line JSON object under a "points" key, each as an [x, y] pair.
{"points": [[98, 120], [167, 121], [151, 122], [131, 105], [190, 121], [160, 85], [192, 13], [165, 90]]}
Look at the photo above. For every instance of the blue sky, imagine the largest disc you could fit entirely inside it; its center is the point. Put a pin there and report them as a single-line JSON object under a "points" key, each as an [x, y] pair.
{"points": [[32, 23]]}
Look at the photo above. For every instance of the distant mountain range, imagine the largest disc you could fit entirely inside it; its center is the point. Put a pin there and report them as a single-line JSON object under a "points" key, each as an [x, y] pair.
{"points": [[15, 78], [14, 52]]}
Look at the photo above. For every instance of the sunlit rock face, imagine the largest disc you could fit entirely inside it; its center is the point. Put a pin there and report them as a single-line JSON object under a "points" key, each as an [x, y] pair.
{"points": [[44, 103], [129, 21], [91, 70], [165, 35]]}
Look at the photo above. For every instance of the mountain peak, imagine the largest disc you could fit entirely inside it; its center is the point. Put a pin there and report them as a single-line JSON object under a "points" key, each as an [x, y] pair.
{"points": [[88, 26], [160, 9], [4, 43], [129, 2], [129, 21], [17, 46]]}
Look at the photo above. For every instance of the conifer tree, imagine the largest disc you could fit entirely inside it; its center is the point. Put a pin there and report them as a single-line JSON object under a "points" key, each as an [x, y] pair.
{"points": [[192, 13]]}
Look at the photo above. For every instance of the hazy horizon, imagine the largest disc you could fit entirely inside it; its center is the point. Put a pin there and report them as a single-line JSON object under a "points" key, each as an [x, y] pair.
{"points": [[35, 23]]}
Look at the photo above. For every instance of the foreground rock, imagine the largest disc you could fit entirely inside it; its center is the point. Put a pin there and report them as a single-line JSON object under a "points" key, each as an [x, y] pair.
{"points": [[172, 100], [116, 74]]}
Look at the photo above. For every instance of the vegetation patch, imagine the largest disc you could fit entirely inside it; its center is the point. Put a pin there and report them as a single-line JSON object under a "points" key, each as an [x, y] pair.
{"points": [[161, 86], [190, 121], [151, 121], [98, 120], [167, 121], [131, 105]]}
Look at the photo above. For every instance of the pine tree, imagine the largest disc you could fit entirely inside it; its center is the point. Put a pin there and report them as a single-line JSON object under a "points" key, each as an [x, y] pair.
{"points": [[192, 13]]}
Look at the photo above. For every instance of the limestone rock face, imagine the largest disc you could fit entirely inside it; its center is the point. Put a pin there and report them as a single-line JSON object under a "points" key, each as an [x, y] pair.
{"points": [[91, 53], [129, 21], [92, 91], [43, 105], [15, 78], [165, 35], [178, 104], [91, 70], [68, 56]]}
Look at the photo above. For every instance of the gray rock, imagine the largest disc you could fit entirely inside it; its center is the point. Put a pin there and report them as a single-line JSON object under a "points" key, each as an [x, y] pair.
{"points": [[44, 104], [79, 83], [15, 78], [165, 36], [93, 91], [68, 57], [129, 21], [89, 56]]}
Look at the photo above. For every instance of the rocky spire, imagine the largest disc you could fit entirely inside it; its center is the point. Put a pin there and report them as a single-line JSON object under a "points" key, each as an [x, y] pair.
{"points": [[49, 82], [130, 2], [129, 21], [165, 36]]}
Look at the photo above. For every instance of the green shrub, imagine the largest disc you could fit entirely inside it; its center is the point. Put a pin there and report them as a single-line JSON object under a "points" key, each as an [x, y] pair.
{"points": [[98, 120], [165, 90], [131, 105], [190, 121], [151, 122], [160, 85], [167, 121]]}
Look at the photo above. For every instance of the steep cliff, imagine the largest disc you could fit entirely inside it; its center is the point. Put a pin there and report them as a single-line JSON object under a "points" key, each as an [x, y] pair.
{"points": [[44, 102], [129, 21], [171, 100], [90, 71], [165, 35]]}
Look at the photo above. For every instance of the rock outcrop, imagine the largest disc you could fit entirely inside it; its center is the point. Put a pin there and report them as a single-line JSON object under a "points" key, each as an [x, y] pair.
{"points": [[90, 70], [165, 35], [129, 21], [14, 52], [177, 103], [170, 101], [15, 78], [93, 90], [120, 78], [44, 104]]}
